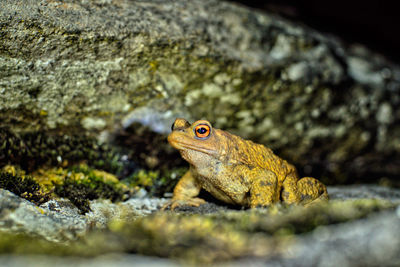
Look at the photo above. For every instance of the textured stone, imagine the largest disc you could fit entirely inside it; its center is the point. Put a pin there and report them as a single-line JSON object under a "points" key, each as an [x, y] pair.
{"points": [[364, 191], [347, 233], [101, 261], [90, 66], [369, 242], [60, 224], [60, 220]]}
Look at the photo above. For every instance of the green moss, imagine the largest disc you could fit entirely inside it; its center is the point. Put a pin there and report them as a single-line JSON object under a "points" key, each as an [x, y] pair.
{"points": [[81, 193], [22, 185], [192, 238], [168, 179], [227, 235], [35, 149], [203, 238], [78, 183], [82, 183], [155, 182], [23, 244], [297, 219], [142, 178]]}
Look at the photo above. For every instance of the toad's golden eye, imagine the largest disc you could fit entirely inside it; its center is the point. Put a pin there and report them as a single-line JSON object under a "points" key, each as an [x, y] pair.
{"points": [[202, 131]]}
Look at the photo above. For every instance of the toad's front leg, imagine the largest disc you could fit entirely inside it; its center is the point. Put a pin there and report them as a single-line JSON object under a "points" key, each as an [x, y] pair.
{"points": [[185, 193]]}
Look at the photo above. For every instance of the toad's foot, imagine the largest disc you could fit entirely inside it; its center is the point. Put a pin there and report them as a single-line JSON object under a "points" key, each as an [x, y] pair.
{"points": [[311, 191], [175, 203]]}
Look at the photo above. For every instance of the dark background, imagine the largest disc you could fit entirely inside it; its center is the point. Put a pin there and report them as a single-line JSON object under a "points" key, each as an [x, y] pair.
{"points": [[376, 24]]}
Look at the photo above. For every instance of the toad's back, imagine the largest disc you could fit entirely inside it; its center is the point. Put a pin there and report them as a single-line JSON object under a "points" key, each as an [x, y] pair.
{"points": [[255, 155]]}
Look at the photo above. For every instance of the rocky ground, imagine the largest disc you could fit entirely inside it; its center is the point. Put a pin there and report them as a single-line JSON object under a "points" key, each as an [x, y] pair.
{"points": [[359, 226]]}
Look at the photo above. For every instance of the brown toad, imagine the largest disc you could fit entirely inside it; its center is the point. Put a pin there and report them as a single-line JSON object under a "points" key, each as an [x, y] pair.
{"points": [[235, 170]]}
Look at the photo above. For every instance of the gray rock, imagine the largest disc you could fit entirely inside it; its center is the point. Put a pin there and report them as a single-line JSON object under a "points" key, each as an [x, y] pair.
{"points": [[364, 191], [59, 220], [101, 261], [56, 222], [103, 211], [369, 242], [93, 67], [374, 241]]}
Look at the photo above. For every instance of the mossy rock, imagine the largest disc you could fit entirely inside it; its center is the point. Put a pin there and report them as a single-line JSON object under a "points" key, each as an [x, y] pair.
{"points": [[32, 150], [157, 183], [325, 106], [223, 235], [24, 186], [83, 184], [227, 235], [78, 183]]}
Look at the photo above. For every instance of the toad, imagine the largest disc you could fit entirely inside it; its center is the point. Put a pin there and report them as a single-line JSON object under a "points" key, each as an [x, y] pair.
{"points": [[235, 171]]}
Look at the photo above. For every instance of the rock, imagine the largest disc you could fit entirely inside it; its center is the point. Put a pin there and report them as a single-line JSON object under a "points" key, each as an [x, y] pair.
{"points": [[360, 224], [327, 107], [120, 260], [364, 192], [369, 242], [60, 222], [103, 212]]}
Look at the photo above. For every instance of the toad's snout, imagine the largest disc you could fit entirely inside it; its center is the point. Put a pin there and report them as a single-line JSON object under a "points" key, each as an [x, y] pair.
{"points": [[180, 124]]}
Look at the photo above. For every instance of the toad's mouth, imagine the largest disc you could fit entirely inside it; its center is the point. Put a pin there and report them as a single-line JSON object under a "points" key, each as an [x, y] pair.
{"points": [[185, 146]]}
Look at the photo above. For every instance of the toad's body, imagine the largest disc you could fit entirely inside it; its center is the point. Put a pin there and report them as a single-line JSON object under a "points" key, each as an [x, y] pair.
{"points": [[235, 170]]}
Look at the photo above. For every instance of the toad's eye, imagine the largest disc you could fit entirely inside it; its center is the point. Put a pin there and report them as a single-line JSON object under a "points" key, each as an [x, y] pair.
{"points": [[202, 131]]}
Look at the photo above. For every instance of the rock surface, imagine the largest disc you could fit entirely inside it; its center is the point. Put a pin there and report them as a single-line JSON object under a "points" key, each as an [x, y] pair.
{"points": [[102, 261], [363, 234], [368, 242], [60, 220], [59, 223], [94, 67]]}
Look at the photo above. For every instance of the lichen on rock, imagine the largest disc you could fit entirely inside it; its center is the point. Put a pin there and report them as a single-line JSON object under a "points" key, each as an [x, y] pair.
{"points": [[203, 235], [304, 94], [79, 184]]}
